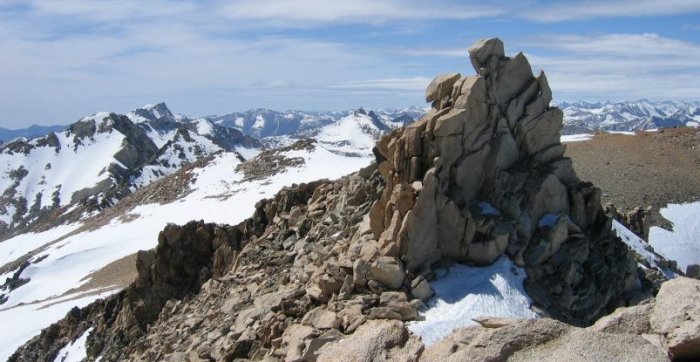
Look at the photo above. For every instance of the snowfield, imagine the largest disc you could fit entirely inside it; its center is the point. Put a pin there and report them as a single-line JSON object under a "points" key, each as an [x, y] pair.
{"points": [[219, 196], [354, 134], [683, 243], [463, 293], [74, 166]]}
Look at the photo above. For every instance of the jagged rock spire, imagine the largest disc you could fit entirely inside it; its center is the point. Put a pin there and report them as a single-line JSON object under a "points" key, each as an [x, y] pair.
{"points": [[484, 174]]}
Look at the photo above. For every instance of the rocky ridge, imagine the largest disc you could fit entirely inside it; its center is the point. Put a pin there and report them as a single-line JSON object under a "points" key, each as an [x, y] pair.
{"points": [[329, 271]]}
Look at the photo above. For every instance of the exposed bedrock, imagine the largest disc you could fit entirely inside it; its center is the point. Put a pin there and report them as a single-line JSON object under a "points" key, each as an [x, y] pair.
{"points": [[483, 174]]}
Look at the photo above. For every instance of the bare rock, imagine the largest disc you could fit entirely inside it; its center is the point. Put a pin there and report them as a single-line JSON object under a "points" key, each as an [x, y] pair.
{"points": [[538, 340], [440, 87], [676, 315], [387, 271], [420, 289], [376, 340], [631, 320], [484, 49]]}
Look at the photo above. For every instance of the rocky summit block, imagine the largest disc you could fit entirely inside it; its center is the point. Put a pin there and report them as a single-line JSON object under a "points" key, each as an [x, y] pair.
{"points": [[488, 177]]}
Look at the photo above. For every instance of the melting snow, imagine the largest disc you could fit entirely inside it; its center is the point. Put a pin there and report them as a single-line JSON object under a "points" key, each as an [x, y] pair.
{"points": [[28, 320], [467, 292], [683, 243]]}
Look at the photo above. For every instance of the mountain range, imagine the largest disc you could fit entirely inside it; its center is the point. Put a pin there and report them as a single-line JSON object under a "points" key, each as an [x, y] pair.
{"points": [[100, 159], [588, 117], [267, 124]]}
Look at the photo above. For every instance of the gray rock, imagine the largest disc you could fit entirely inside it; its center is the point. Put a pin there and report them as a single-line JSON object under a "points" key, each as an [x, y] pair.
{"points": [[484, 49]]}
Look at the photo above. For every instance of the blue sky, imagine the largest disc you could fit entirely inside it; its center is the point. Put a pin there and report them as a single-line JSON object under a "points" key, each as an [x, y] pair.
{"points": [[64, 59]]}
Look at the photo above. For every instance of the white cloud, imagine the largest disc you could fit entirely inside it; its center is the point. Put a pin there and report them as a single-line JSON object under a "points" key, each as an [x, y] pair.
{"points": [[621, 45], [621, 66], [307, 12], [414, 84], [578, 10]]}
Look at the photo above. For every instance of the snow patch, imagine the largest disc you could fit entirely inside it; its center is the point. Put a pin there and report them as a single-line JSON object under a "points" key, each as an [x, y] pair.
{"points": [[683, 243], [464, 293], [576, 137], [75, 351], [259, 122], [639, 246]]}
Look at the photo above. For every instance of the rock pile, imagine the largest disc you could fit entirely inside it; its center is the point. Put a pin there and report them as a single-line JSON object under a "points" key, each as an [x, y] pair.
{"points": [[330, 271]]}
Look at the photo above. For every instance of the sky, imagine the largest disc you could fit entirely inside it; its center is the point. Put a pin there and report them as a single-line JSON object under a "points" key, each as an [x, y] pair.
{"points": [[61, 60]]}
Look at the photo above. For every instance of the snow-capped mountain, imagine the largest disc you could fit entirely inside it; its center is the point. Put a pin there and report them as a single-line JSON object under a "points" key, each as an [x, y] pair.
{"points": [[264, 123], [86, 164], [587, 117], [102, 158]]}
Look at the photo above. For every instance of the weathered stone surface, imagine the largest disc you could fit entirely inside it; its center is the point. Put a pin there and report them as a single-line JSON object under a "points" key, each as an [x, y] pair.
{"points": [[539, 340], [631, 320], [441, 87], [387, 271], [331, 270], [676, 315], [484, 49], [494, 138], [376, 340], [421, 289]]}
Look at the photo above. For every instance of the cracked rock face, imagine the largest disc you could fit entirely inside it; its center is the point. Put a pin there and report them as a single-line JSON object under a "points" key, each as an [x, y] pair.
{"points": [[483, 174]]}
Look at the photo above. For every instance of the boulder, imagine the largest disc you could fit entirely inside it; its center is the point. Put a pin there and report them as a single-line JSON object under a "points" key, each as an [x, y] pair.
{"points": [[676, 315], [484, 49], [631, 320], [387, 271], [441, 86]]}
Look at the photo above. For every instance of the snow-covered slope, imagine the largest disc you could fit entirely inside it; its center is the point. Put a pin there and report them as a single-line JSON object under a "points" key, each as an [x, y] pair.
{"points": [[84, 164], [102, 158], [214, 191], [587, 117], [354, 134]]}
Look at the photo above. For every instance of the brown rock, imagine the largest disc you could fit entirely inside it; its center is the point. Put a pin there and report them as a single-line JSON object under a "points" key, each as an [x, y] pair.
{"points": [[540, 340], [387, 271], [441, 86], [376, 340]]}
